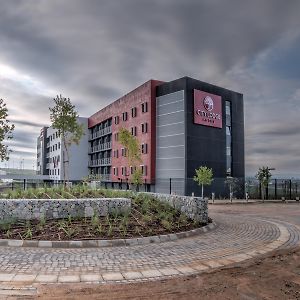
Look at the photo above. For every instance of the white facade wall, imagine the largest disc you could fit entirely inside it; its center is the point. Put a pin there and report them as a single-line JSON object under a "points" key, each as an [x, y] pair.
{"points": [[78, 155]]}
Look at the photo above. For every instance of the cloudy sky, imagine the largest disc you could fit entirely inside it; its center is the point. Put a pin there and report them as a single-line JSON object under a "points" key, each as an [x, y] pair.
{"points": [[94, 51]]}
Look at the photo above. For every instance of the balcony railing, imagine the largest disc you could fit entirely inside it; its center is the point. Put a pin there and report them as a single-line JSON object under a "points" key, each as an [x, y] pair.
{"points": [[100, 147], [105, 177], [100, 133], [47, 166], [48, 155], [48, 144], [100, 162]]}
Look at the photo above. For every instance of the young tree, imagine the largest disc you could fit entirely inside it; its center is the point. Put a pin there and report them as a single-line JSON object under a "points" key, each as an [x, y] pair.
{"points": [[64, 118], [204, 176], [264, 176], [233, 184], [132, 146], [136, 178], [6, 130]]}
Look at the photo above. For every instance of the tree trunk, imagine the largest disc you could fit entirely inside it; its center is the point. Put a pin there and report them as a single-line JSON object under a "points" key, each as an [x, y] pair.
{"points": [[202, 192], [64, 162], [65, 159]]}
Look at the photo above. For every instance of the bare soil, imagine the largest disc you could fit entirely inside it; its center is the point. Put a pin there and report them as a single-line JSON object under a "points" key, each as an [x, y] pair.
{"points": [[276, 276]]}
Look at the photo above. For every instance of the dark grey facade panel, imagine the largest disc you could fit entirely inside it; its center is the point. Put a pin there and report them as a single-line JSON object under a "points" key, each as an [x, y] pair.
{"points": [[170, 151], [169, 129], [170, 118], [170, 139]]}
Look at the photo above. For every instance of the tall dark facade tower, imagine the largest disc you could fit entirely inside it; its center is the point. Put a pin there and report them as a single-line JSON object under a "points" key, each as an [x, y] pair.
{"points": [[199, 124]]}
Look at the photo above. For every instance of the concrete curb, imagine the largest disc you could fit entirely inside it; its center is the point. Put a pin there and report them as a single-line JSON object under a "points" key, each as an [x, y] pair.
{"points": [[147, 274], [108, 243]]}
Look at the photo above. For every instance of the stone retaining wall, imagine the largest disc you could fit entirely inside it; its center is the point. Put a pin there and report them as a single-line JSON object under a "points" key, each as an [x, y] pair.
{"points": [[194, 207], [30, 209]]}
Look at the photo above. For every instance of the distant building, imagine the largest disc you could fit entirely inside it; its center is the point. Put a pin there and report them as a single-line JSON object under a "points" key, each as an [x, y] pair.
{"points": [[50, 155]]}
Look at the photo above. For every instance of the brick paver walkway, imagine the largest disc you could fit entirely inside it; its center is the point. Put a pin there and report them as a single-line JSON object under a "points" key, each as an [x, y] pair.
{"points": [[237, 237]]}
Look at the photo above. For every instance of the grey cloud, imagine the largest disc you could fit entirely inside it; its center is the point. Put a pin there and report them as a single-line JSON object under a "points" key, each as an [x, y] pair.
{"points": [[95, 51], [27, 123]]}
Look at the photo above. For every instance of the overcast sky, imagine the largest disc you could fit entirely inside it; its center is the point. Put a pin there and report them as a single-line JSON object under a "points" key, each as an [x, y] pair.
{"points": [[95, 51]]}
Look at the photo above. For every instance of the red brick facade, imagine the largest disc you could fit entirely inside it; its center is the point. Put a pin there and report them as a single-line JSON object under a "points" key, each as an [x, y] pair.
{"points": [[145, 93]]}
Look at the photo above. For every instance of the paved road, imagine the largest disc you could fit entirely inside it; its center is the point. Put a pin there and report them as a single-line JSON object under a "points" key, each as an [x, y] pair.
{"points": [[243, 231]]}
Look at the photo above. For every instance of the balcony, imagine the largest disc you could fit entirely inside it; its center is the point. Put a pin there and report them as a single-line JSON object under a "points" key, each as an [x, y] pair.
{"points": [[100, 147], [105, 177], [100, 162], [47, 166], [100, 133], [48, 144], [48, 155]]}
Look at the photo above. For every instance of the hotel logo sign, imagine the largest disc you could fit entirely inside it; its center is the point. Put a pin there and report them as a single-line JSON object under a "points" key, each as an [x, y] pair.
{"points": [[207, 109]]}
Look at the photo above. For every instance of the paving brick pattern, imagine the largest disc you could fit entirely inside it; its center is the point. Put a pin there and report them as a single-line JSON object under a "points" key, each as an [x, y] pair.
{"points": [[236, 238]]}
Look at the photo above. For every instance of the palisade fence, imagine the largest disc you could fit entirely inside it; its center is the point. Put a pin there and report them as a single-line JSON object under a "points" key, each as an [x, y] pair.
{"points": [[278, 189], [218, 188]]}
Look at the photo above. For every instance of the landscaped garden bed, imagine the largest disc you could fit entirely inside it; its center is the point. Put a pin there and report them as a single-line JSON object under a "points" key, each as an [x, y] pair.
{"points": [[147, 217]]}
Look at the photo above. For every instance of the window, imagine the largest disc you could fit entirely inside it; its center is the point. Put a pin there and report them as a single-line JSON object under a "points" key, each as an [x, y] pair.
{"points": [[57, 171], [116, 153], [144, 127], [133, 112], [56, 134], [227, 109], [124, 171], [124, 116], [228, 130], [228, 151], [133, 130], [132, 169], [55, 146], [124, 151], [58, 145], [144, 148], [114, 170], [144, 170], [116, 136], [117, 120], [144, 107]]}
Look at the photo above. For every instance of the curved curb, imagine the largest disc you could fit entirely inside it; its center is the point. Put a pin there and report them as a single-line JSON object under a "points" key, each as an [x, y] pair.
{"points": [[108, 243], [145, 275]]}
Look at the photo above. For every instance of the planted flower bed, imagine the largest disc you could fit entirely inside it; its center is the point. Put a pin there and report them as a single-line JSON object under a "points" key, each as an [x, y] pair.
{"points": [[147, 216]]}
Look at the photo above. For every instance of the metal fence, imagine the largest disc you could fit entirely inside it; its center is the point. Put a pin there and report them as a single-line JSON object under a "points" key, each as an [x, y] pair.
{"points": [[278, 189]]}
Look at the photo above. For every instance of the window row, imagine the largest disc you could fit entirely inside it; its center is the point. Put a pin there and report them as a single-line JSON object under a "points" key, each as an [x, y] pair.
{"points": [[134, 130], [54, 172], [55, 159], [53, 136], [55, 147], [144, 150], [131, 170], [144, 109]]}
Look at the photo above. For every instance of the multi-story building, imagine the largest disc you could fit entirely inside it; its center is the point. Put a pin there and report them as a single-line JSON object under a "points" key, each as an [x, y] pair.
{"points": [[41, 152], [136, 112], [181, 125], [51, 155]]}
